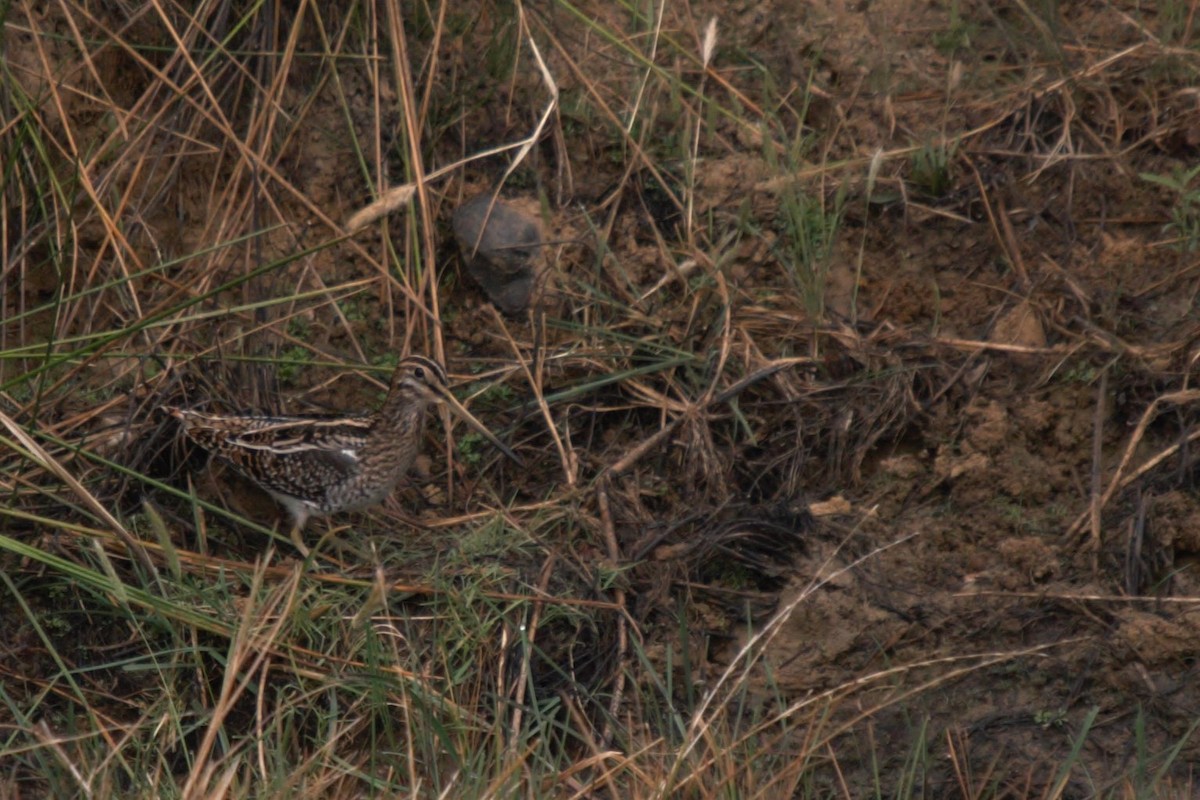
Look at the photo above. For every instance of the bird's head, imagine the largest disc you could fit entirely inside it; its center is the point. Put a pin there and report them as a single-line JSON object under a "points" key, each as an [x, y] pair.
{"points": [[422, 377], [418, 376]]}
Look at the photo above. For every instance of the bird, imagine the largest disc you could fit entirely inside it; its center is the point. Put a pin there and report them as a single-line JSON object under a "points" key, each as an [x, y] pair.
{"points": [[323, 465]]}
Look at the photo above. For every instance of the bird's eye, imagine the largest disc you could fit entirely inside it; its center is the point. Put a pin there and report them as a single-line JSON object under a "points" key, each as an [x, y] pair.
{"points": [[419, 373]]}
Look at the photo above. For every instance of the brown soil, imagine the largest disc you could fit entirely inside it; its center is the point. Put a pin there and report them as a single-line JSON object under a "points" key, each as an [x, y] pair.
{"points": [[985, 357]]}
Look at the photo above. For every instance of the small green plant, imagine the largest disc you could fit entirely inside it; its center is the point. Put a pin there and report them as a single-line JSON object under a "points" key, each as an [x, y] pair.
{"points": [[386, 360], [1175, 21], [958, 35], [291, 362], [610, 577], [810, 224], [471, 448], [931, 167], [56, 623], [353, 310], [1185, 215], [1050, 717], [299, 327], [809, 218], [1080, 371], [493, 395]]}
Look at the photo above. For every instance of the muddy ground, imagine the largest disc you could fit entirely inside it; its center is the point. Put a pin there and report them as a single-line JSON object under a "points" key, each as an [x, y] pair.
{"points": [[988, 420], [1037, 306]]}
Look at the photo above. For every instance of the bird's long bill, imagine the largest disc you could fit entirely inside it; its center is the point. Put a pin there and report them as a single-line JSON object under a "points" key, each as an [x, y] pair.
{"points": [[458, 408]]}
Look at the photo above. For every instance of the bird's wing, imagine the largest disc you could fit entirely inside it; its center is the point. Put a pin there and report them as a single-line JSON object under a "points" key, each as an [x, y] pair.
{"points": [[295, 456], [291, 435], [300, 457]]}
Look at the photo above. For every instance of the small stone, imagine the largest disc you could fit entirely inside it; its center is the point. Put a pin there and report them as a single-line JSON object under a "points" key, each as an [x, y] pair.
{"points": [[500, 243], [1020, 326]]}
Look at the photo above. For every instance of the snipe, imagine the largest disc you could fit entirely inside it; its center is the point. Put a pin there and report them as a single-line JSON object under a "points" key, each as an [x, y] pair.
{"points": [[320, 465]]}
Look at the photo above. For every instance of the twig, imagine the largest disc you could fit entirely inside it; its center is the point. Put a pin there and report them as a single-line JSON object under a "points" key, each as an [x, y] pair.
{"points": [[1097, 476], [528, 637], [1081, 598], [43, 734], [1118, 480], [566, 454], [614, 557], [636, 453]]}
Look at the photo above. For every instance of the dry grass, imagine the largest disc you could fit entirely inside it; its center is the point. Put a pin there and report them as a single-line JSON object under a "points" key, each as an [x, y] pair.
{"points": [[246, 207]]}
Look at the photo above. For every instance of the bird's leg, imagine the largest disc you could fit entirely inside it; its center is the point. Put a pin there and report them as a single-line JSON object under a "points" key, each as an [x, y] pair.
{"points": [[298, 518], [298, 540]]}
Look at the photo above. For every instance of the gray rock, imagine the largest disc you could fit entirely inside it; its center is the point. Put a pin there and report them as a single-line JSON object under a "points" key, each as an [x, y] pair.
{"points": [[500, 244]]}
